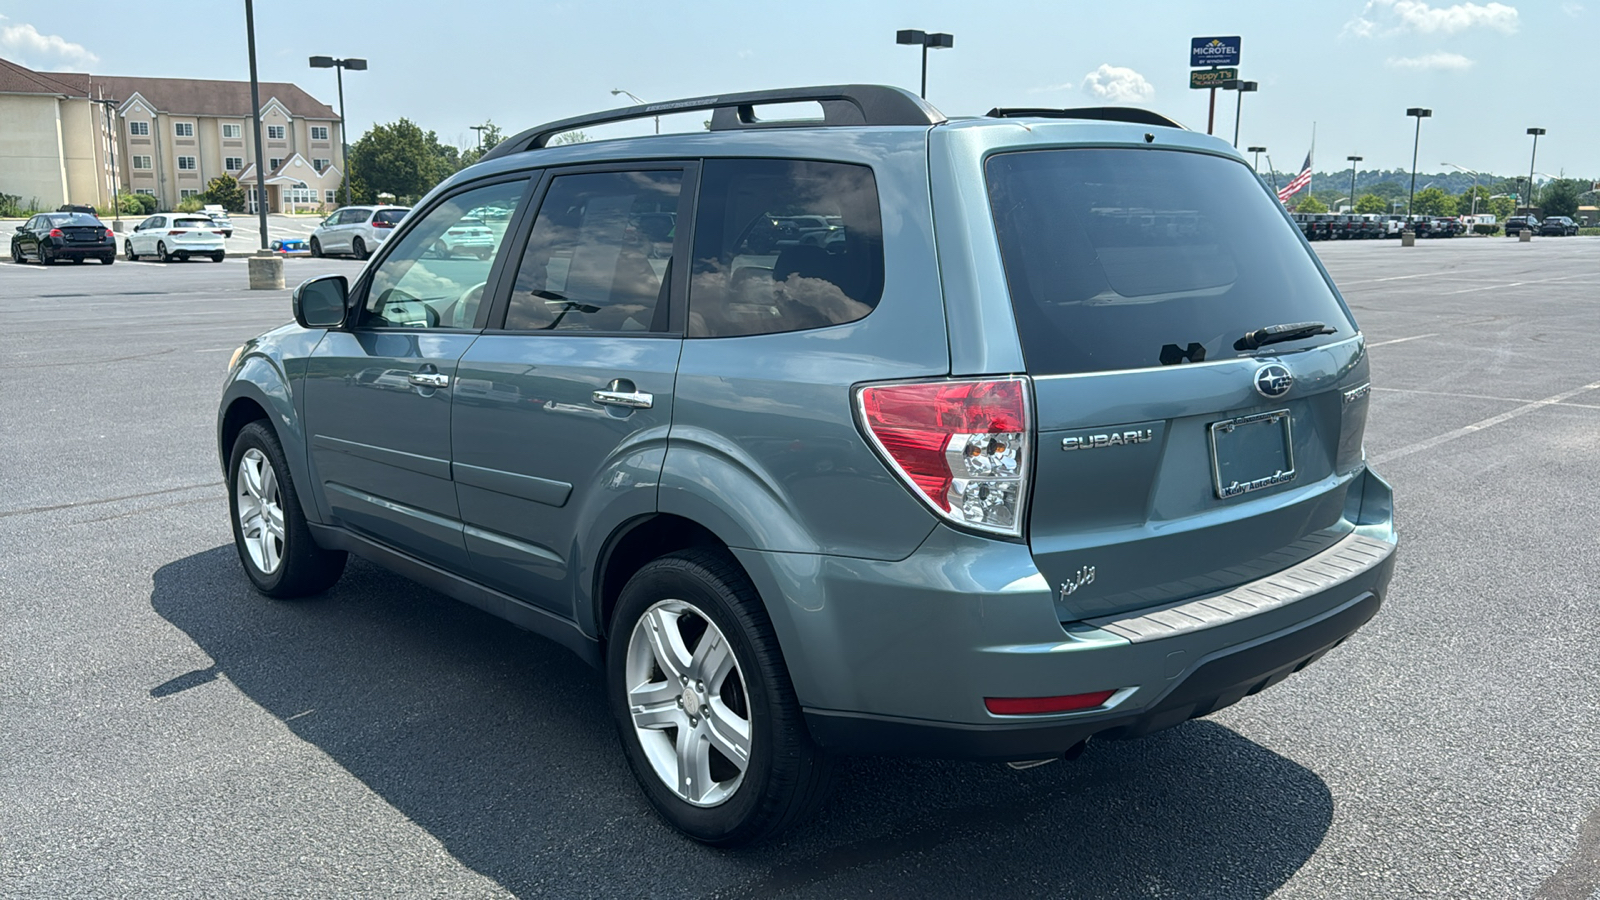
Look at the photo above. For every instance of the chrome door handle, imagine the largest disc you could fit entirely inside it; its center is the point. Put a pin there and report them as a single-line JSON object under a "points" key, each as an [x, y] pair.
{"points": [[630, 399], [429, 379]]}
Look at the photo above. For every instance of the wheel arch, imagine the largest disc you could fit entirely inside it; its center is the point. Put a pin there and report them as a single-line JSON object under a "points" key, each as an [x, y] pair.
{"points": [[257, 392], [635, 543]]}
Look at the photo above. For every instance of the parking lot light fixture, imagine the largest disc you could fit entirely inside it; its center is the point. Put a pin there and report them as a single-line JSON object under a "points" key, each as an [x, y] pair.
{"points": [[328, 62], [637, 99], [1474, 183], [927, 41], [1353, 161], [1419, 113], [1242, 87], [1535, 155], [1256, 163]]}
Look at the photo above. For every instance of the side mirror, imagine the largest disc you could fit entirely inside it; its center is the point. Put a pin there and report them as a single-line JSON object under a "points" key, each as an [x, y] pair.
{"points": [[321, 302], [22, 227]]}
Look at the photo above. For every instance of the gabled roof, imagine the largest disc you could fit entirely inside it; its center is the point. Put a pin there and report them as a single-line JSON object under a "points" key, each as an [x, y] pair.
{"points": [[174, 96], [280, 174]]}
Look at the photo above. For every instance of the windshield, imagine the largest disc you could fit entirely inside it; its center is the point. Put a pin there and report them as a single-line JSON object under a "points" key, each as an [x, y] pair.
{"points": [[1127, 259]]}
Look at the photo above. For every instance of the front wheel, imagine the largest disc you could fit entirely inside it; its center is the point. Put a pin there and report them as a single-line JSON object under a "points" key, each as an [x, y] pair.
{"points": [[269, 529], [703, 703], [16, 254], [128, 246], [161, 252], [316, 248]]}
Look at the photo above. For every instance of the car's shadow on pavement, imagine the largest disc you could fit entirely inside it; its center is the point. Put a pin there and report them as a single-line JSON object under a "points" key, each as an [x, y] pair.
{"points": [[499, 744]]}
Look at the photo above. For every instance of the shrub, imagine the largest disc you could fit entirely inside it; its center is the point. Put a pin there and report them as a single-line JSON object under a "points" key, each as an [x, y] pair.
{"points": [[191, 205], [148, 203], [130, 205], [1486, 229]]}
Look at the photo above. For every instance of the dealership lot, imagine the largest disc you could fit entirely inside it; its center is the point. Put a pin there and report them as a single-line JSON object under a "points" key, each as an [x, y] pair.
{"points": [[169, 732]]}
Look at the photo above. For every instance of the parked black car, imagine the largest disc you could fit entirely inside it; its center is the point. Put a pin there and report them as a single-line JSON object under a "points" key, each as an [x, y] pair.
{"points": [[77, 236], [1560, 226], [1515, 224]]}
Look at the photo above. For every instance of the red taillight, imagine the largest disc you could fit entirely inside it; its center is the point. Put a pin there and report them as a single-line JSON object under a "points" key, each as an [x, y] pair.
{"points": [[111, 234], [55, 232], [1028, 706], [178, 231], [382, 224], [961, 444]]}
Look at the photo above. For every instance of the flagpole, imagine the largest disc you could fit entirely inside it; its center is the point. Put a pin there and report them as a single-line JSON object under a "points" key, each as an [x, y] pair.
{"points": [[1313, 157]]}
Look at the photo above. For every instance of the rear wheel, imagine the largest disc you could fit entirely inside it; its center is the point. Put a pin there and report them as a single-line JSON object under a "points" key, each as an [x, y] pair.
{"points": [[703, 703], [269, 529], [45, 256], [108, 259], [77, 260], [219, 256], [359, 248]]}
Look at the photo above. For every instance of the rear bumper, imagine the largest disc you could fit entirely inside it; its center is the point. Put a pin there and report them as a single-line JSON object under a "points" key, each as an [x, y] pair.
{"points": [[91, 251], [896, 658]]}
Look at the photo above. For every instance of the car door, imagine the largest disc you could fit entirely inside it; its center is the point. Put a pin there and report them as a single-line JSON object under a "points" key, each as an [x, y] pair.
{"points": [[563, 406], [325, 231], [378, 394], [349, 226], [28, 238], [143, 237]]}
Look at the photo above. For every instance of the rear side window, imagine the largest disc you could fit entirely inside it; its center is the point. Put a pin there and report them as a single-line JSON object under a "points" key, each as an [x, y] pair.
{"points": [[1127, 259], [784, 245]]}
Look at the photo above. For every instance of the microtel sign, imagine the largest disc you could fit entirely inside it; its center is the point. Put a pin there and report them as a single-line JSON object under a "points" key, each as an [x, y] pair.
{"points": [[1214, 51]]}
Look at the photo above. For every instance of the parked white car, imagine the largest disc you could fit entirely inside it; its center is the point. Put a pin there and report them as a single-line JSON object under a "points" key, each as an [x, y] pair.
{"points": [[468, 237], [356, 230], [169, 236]]}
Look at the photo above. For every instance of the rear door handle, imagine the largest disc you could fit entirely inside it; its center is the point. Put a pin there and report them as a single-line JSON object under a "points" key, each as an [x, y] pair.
{"points": [[630, 399], [429, 379]]}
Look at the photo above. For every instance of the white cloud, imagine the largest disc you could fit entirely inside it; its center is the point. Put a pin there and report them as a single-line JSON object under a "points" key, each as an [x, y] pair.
{"points": [[1572, 9], [1418, 16], [1453, 62], [26, 41], [1118, 84], [1051, 88]]}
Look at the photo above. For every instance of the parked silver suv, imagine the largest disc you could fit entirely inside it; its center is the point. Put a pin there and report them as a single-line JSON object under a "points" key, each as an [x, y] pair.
{"points": [[1050, 430]]}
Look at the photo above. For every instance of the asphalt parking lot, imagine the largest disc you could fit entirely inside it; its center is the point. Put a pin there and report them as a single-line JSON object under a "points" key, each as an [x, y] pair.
{"points": [[168, 732]]}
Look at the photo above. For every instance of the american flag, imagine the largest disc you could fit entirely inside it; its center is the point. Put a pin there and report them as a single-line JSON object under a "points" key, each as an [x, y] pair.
{"points": [[1299, 182]]}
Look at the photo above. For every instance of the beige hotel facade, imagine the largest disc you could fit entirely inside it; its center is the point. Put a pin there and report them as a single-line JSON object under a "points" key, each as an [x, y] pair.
{"points": [[61, 131]]}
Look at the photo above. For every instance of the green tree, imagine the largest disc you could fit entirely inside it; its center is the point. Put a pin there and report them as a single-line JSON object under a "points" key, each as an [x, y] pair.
{"points": [[1311, 205], [359, 192], [1502, 208], [1433, 201], [224, 190], [401, 159], [1560, 197], [570, 137], [491, 135], [1371, 203], [1464, 202]]}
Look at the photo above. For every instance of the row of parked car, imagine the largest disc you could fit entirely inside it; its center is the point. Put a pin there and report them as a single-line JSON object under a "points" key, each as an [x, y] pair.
{"points": [[1345, 226], [1551, 226]]}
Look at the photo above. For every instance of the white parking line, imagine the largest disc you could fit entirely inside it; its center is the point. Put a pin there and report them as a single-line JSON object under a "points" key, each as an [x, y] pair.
{"points": [[1490, 422], [1414, 337]]}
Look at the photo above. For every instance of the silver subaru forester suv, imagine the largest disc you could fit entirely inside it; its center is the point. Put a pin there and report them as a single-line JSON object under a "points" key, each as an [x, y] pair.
{"points": [[876, 433]]}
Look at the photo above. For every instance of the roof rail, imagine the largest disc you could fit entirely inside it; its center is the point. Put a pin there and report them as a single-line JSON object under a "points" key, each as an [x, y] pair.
{"points": [[842, 104], [1104, 113]]}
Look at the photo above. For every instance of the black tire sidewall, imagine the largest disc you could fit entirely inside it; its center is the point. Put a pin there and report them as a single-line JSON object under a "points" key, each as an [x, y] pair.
{"points": [[304, 569], [670, 578]]}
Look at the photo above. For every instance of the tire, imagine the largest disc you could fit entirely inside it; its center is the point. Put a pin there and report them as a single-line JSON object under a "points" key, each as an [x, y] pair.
{"points": [[701, 596], [45, 256], [218, 257], [359, 248], [269, 528], [77, 260], [161, 252], [16, 254], [128, 246], [316, 248], [108, 259]]}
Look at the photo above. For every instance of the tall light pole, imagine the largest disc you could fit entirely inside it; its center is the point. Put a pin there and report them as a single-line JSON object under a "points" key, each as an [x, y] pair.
{"points": [[935, 41], [479, 129], [1353, 161], [1474, 183], [1242, 87], [1535, 132], [255, 116], [1420, 114], [635, 98], [1256, 163], [328, 62]]}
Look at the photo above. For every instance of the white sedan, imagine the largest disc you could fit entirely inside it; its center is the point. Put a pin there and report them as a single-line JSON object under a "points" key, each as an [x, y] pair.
{"points": [[169, 236]]}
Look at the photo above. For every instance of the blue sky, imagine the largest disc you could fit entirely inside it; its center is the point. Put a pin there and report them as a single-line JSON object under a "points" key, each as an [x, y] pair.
{"points": [[1350, 66]]}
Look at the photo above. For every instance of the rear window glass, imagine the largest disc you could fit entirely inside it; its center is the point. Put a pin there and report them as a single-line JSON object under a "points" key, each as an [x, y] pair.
{"points": [[784, 245], [1127, 259], [390, 216], [67, 219], [192, 223]]}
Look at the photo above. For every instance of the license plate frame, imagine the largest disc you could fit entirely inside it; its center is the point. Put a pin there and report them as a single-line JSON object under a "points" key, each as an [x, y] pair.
{"points": [[1251, 453]]}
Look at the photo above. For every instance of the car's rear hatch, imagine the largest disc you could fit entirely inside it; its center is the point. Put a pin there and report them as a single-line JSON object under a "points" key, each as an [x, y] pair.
{"points": [[1173, 458]]}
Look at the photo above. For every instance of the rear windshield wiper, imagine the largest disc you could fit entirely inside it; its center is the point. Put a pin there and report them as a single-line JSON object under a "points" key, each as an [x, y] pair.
{"points": [[1274, 334]]}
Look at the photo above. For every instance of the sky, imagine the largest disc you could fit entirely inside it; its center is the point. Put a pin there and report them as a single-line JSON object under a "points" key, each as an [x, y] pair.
{"points": [[1347, 68]]}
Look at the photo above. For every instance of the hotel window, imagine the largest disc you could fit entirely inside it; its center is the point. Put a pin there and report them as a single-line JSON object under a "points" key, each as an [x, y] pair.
{"points": [[146, 191], [187, 192], [141, 162], [233, 163], [321, 165], [186, 162], [327, 196], [274, 132], [319, 132], [138, 127], [231, 131], [183, 129], [274, 163]]}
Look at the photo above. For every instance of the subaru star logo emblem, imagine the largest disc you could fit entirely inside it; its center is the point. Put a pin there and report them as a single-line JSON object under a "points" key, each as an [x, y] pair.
{"points": [[1273, 380]]}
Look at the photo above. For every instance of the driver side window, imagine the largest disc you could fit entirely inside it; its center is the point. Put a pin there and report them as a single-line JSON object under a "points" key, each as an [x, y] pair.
{"points": [[435, 275]]}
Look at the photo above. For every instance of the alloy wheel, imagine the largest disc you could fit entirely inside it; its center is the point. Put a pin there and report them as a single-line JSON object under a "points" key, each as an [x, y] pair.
{"points": [[260, 510], [688, 702]]}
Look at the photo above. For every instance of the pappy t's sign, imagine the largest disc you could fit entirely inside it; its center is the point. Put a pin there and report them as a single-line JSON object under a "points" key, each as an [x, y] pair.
{"points": [[1214, 51]]}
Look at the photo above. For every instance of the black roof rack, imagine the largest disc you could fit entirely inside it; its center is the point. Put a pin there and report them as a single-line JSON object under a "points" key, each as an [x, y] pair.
{"points": [[842, 104], [1104, 113]]}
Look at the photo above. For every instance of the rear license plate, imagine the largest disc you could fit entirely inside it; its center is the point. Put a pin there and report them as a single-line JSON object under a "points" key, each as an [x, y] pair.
{"points": [[1252, 452]]}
